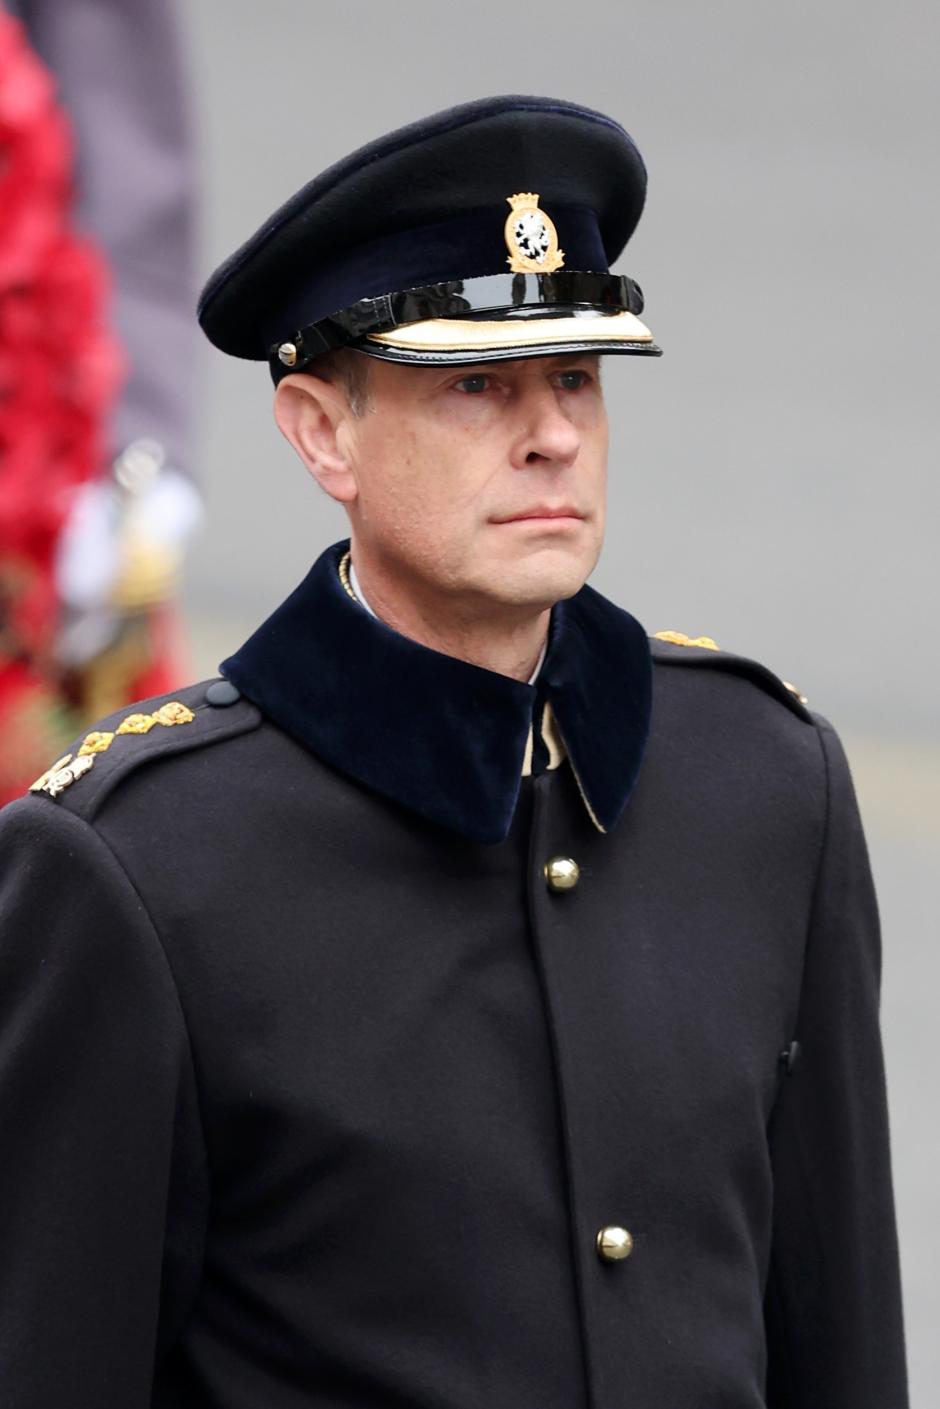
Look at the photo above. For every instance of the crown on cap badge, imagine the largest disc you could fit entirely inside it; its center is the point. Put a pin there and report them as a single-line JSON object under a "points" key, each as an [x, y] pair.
{"points": [[531, 238]]}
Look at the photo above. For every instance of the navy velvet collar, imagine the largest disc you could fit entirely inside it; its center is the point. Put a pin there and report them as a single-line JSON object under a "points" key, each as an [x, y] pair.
{"points": [[441, 736]]}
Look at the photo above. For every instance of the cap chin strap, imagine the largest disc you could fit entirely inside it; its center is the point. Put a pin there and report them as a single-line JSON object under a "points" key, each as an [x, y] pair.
{"points": [[491, 295]]}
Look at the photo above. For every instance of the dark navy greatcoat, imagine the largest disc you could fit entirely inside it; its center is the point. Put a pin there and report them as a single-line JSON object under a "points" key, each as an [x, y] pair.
{"points": [[315, 1095]]}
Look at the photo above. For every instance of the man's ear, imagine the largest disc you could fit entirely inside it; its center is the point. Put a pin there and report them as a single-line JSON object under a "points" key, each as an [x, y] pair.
{"points": [[314, 415]]}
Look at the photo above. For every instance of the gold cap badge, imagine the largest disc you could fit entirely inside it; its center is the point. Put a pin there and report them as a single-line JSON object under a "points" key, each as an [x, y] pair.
{"points": [[531, 238]]}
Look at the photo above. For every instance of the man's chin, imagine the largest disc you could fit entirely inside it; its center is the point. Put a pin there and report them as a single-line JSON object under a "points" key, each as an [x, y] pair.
{"points": [[540, 581]]}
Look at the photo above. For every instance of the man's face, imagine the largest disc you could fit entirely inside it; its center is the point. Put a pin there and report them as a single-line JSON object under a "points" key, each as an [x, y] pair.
{"points": [[483, 484]]}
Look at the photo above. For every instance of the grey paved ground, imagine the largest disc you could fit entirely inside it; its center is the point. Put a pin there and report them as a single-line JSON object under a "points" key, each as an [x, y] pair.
{"points": [[899, 791]]}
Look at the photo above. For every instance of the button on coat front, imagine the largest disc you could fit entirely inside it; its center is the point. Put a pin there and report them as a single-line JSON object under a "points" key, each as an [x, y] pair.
{"points": [[562, 873]]}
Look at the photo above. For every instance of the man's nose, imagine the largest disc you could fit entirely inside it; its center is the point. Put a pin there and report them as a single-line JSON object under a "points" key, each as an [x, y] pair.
{"points": [[546, 432]]}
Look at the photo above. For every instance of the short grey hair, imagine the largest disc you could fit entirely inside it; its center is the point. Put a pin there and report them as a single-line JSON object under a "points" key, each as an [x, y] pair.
{"points": [[351, 369]]}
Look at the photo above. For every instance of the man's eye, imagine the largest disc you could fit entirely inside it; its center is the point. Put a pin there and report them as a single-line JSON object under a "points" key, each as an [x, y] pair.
{"points": [[572, 381], [472, 385]]}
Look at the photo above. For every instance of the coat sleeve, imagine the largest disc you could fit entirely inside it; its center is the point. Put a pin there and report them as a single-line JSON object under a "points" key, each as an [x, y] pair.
{"points": [[833, 1307], [98, 1123]]}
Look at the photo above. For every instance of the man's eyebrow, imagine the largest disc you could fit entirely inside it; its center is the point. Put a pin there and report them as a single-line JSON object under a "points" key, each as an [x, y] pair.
{"points": [[467, 369], [583, 355]]}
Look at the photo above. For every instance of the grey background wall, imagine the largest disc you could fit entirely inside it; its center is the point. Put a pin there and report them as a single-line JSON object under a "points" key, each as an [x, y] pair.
{"points": [[774, 475]]}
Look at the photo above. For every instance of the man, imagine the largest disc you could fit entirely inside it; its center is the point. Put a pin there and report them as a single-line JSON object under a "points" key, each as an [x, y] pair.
{"points": [[466, 1001]]}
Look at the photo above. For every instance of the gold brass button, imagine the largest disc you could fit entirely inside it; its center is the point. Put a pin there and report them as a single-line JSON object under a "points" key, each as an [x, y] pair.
{"points": [[614, 1243], [561, 873]]}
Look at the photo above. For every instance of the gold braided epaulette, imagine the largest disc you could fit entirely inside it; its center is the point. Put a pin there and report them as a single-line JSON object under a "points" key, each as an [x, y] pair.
{"points": [[68, 769], [679, 638]]}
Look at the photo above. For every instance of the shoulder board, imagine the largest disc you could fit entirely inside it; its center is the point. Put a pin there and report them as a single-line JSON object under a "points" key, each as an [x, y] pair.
{"points": [[98, 760], [675, 648]]}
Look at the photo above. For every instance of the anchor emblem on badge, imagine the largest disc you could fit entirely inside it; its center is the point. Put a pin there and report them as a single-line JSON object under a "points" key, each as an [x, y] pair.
{"points": [[531, 238]]}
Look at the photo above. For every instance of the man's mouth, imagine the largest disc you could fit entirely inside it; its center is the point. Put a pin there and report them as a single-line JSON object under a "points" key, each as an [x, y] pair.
{"points": [[542, 511]]}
